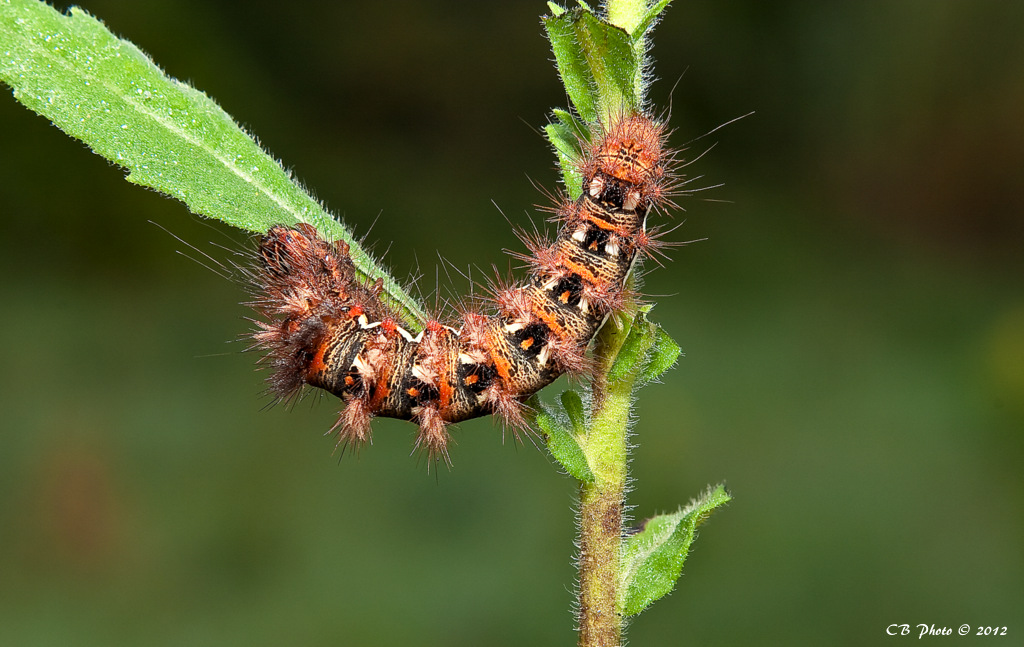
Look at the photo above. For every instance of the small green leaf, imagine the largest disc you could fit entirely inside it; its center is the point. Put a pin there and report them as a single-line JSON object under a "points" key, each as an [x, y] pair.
{"points": [[555, 9], [637, 18], [598, 63], [662, 356], [565, 143], [568, 135], [652, 559], [634, 350], [626, 14], [572, 63], [646, 353], [613, 64], [579, 129], [169, 136], [572, 403], [648, 20], [563, 443]]}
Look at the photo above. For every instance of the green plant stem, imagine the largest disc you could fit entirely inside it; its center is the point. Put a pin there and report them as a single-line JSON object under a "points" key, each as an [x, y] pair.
{"points": [[602, 500]]}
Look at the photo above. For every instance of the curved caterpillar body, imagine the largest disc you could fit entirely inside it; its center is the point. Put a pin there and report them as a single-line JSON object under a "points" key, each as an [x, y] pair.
{"points": [[325, 329]]}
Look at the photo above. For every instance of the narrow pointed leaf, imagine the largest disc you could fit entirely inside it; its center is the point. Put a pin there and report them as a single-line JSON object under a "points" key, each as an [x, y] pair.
{"points": [[578, 128], [626, 14], [572, 403], [653, 559], [170, 137], [565, 143], [649, 19], [634, 350], [613, 64], [562, 442], [568, 134], [663, 354], [555, 9], [636, 18], [572, 63]]}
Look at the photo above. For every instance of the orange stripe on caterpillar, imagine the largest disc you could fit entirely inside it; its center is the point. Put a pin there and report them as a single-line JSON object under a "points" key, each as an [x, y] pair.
{"points": [[321, 327]]}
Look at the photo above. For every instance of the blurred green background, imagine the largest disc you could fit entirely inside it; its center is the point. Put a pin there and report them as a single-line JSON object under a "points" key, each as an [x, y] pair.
{"points": [[853, 327]]}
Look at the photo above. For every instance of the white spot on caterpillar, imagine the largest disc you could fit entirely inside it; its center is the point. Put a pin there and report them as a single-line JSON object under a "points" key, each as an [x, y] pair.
{"points": [[632, 200], [611, 248], [514, 327], [544, 355], [550, 285], [422, 374], [405, 333], [596, 186], [365, 324], [580, 234], [474, 356], [584, 305], [365, 370]]}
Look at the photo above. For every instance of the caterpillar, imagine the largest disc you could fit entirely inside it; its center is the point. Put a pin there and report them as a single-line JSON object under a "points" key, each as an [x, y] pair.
{"points": [[321, 327]]}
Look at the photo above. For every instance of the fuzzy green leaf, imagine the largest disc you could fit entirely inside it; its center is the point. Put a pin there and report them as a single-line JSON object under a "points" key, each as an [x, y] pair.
{"points": [[612, 60], [583, 5], [568, 135], [561, 137], [637, 18], [663, 354], [572, 63], [563, 443], [644, 24], [634, 349], [646, 353], [626, 14], [572, 403], [170, 137], [652, 559], [597, 62], [578, 128], [555, 9]]}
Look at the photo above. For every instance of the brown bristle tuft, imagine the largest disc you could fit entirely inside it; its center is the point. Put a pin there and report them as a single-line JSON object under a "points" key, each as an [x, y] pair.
{"points": [[353, 426], [433, 435]]}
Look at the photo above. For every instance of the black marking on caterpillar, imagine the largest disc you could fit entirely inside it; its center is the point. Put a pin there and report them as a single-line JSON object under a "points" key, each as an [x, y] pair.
{"points": [[323, 328]]}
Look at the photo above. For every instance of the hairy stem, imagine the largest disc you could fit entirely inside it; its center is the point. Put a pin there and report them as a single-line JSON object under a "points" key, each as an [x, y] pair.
{"points": [[602, 500], [600, 538]]}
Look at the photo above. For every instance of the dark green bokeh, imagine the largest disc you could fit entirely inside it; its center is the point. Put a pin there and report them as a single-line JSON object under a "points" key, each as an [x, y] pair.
{"points": [[854, 331]]}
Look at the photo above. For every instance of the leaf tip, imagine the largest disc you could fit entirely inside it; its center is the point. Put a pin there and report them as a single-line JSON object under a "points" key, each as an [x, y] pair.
{"points": [[556, 10]]}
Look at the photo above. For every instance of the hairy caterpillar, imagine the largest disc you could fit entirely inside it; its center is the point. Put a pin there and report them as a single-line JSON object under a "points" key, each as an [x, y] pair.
{"points": [[323, 328]]}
